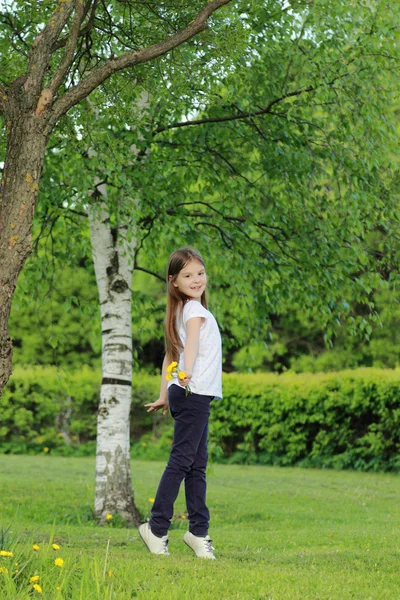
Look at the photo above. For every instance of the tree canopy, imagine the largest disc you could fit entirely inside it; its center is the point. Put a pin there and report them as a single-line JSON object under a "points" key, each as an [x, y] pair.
{"points": [[268, 141]]}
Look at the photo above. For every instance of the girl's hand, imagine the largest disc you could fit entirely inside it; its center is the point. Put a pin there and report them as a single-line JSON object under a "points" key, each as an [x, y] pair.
{"points": [[185, 381], [157, 405]]}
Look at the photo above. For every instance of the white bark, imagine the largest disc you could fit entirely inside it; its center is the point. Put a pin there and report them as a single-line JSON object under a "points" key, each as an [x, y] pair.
{"points": [[113, 262], [114, 492]]}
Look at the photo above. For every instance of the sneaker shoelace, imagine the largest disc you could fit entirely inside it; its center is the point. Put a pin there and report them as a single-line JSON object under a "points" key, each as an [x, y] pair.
{"points": [[208, 546]]}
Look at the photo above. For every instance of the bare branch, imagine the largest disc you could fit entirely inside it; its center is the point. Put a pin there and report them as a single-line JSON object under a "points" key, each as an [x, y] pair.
{"points": [[226, 239], [6, 17], [250, 115], [78, 212], [136, 268], [130, 59], [63, 42], [68, 57], [42, 48]]}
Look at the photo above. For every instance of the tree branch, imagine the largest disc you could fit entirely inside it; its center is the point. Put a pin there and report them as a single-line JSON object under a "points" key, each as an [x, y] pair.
{"points": [[63, 42], [136, 268], [78, 212], [68, 57], [226, 239], [8, 19], [130, 59], [42, 48], [249, 115]]}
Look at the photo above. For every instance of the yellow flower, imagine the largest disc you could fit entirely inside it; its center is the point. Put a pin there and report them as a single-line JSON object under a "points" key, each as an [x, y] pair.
{"points": [[144, 444], [168, 377], [36, 547], [37, 587], [109, 573], [151, 500], [56, 547], [58, 587], [6, 553], [181, 374], [45, 449], [59, 562], [183, 516], [16, 564], [3, 570], [34, 578], [174, 364], [108, 517], [59, 435]]}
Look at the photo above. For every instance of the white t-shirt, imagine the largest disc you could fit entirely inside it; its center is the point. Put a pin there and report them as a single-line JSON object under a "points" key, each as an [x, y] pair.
{"points": [[207, 370]]}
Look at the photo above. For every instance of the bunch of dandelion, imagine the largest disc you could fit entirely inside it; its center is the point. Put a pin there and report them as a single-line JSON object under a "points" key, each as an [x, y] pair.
{"points": [[172, 372]]}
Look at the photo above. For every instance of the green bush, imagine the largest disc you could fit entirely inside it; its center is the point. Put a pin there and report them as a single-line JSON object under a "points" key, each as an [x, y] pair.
{"points": [[348, 419], [47, 410]]}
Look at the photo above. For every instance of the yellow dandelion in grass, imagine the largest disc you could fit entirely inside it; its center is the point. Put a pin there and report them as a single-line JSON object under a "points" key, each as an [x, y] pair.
{"points": [[58, 587], [109, 517], [45, 449], [109, 573], [151, 500], [144, 444], [56, 547], [3, 570], [36, 547], [183, 516], [37, 588], [59, 562], [34, 578], [6, 553]]}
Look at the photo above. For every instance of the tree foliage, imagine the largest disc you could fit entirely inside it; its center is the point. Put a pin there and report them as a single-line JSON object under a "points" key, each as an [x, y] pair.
{"points": [[281, 167], [284, 164]]}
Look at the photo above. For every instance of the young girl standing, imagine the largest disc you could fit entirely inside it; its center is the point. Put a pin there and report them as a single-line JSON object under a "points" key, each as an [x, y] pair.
{"points": [[194, 342]]}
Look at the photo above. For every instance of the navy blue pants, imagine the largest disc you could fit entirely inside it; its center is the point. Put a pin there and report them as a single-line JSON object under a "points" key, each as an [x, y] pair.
{"points": [[188, 461]]}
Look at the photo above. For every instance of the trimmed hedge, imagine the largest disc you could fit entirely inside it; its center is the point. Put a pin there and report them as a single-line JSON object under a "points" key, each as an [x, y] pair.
{"points": [[343, 420], [348, 419], [45, 408]]}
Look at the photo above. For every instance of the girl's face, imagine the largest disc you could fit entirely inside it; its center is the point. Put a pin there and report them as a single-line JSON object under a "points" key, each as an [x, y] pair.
{"points": [[192, 280]]}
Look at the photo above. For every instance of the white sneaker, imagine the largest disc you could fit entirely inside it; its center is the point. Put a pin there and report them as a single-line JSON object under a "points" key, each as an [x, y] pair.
{"points": [[201, 546], [155, 544]]}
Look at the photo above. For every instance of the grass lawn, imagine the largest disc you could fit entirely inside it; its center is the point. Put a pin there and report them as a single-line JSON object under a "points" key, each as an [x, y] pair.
{"points": [[279, 534]]}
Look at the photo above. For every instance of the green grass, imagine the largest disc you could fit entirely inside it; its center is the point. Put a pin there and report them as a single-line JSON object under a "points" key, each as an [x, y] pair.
{"points": [[279, 534]]}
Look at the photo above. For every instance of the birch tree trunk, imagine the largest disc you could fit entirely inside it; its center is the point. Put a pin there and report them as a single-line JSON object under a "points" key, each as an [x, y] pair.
{"points": [[111, 253]]}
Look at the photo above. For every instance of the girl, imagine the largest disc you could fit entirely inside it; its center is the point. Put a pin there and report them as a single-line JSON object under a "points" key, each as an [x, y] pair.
{"points": [[194, 342]]}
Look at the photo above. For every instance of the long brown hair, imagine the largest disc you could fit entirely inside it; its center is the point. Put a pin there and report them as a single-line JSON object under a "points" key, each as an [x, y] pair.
{"points": [[176, 300]]}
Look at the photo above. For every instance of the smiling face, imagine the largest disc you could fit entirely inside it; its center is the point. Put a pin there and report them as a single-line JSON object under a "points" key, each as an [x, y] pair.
{"points": [[192, 280]]}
